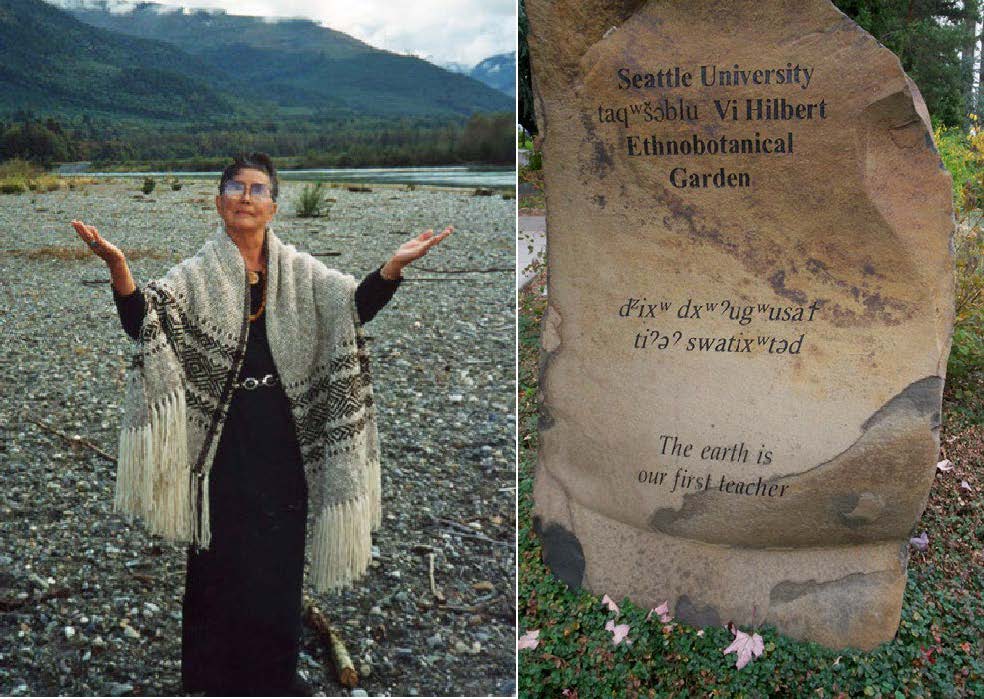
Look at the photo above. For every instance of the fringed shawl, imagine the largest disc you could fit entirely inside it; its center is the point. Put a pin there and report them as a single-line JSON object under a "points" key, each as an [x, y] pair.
{"points": [[181, 380]]}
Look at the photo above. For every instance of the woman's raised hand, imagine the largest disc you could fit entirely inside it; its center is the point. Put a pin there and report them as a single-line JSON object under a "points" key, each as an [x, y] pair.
{"points": [[101, 247], [413, 249]]}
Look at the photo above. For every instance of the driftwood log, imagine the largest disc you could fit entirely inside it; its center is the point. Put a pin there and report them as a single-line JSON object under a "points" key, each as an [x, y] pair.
{"points": [[316, 619], [79, 440]]}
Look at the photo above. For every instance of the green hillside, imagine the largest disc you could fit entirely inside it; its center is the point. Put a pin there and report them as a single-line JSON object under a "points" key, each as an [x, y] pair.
{"points": [[53, 62], [303, 65]]}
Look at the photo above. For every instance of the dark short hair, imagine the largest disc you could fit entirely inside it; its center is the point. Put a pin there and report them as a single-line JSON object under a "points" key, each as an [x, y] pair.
{"points": [[251, 161]]}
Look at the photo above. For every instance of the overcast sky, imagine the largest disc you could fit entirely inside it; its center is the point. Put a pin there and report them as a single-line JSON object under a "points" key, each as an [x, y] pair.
{"points": [[442, 31]]}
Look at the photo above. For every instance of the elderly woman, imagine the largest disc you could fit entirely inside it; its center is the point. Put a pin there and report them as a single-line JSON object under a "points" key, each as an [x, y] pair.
{"points": [[248, 405]]}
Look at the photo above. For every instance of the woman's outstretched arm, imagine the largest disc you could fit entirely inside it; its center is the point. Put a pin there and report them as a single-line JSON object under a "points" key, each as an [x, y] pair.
{"points": [[129, 303], [378, 288], [373, 293], [131, 311]]}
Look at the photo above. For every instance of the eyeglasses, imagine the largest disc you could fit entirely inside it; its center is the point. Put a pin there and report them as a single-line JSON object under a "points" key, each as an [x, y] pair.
{"points": [[257, 190]]}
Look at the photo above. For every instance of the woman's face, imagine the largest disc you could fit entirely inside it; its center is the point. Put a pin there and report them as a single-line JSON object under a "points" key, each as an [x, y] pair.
{"points": [[247, 212]]}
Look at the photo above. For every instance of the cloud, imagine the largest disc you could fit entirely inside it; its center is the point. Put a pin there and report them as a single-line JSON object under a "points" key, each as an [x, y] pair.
{"points": [[442, 31]]}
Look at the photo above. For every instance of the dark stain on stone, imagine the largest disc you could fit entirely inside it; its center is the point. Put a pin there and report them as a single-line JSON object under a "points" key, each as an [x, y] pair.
{"points": [[815, 266], [562, 553], [601, 160], [683, 217], [923, 397], [601, 157], [868, 269], [929, 144], [663, 518], [599, 200], [788, 591], [846, 504], [778, 283], [696, 614]]}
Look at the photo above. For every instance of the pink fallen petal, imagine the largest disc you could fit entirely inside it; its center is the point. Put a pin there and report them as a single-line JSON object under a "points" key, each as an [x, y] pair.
{"points": [[944, 466], [745, 647], [528, 640], [964, 485], [920, 542], [611, 604], [700, 633], [663, 611], [618, 632], [668, 628]]}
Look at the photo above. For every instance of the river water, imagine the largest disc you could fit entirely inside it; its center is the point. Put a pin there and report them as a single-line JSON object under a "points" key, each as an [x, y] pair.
{"points": [[449, 176]]}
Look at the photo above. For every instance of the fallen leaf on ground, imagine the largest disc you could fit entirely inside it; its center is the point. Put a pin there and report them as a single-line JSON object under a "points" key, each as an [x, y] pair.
{"points": [[745, 647], [618, 632], [530, 639], [964, 485], [920, 542], [945, 465], [663, 611], [611, 604]]}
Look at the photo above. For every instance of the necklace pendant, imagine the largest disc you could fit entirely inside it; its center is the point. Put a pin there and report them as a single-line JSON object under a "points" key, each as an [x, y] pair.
{"points": [[254, 278]]}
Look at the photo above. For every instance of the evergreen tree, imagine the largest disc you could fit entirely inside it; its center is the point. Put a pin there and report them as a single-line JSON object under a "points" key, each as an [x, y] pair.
{"points": [[930, 38]]}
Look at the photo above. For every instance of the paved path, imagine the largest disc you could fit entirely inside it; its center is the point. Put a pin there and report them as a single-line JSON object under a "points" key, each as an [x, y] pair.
{"points": [[532, 233]]}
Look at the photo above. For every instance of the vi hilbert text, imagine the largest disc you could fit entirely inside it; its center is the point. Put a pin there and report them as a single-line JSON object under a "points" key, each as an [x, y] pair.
{"points": [[773, 114]]}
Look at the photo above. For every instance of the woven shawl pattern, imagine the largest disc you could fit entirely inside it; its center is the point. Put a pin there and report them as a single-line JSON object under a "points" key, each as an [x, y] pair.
{"points": [[180, 383]]}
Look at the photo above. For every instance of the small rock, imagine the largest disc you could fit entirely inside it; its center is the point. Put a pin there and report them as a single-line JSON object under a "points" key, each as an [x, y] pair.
{"points": [[434, 641], [69, 632], [359, 693], [484, 586], [365, 670], [460, 647], [130, 632], [118, 689]]}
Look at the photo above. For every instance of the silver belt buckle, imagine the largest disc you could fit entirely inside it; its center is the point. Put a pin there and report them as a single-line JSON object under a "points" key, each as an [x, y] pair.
{"points": [[250, 384]]}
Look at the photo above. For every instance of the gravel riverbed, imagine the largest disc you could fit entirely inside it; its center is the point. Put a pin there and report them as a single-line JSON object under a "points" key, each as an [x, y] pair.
{"points": [[90, 605]]}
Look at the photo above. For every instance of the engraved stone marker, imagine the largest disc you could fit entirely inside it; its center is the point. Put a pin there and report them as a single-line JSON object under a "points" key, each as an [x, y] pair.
{"points": [[751, 303]]}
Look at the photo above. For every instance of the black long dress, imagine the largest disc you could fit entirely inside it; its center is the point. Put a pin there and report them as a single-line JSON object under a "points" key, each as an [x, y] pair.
{"points": [[242, 605]]}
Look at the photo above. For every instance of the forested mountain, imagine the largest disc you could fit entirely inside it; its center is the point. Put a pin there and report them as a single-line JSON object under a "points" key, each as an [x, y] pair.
{"points": [[304, 67], [51, 61], [497, 71]]}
